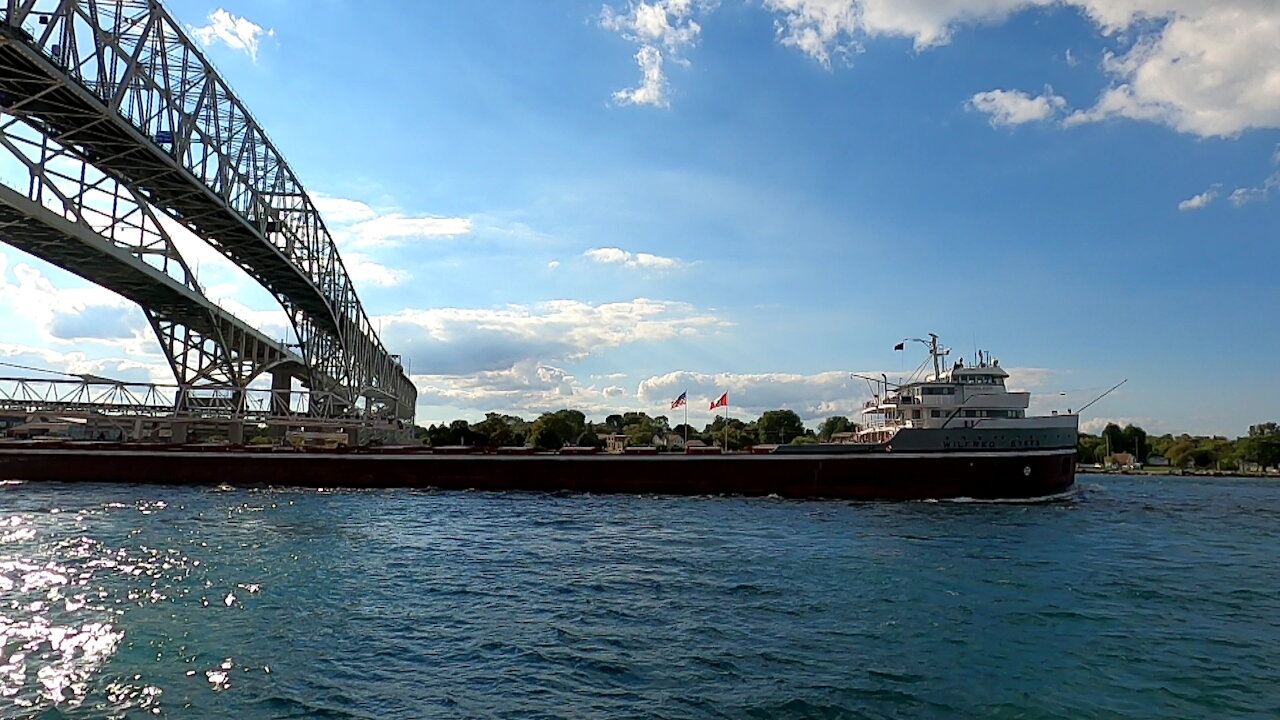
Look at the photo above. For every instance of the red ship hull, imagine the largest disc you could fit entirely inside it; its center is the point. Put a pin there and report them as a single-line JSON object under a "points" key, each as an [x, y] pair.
{"points": [[860, 476]]}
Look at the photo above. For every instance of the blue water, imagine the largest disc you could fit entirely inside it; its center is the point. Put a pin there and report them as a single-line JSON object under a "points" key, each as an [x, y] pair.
{"points": [[1137, 598]]}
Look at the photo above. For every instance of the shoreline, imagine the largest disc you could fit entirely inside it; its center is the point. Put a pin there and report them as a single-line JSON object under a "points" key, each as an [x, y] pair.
{"points": [[1177, 472]]}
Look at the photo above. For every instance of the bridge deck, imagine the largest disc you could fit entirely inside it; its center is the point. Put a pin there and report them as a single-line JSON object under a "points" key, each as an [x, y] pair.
{"points": [[39, 90], [38, 231]]}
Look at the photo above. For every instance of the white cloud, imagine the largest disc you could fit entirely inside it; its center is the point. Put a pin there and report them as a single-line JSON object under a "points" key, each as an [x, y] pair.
{"points": [[342, 211], [1198, 202], [1095, 426], [553, 264], [235, 32], [655, 26], [24, 361], [1014, 107], [813, 397], [653, 84], [634, 261], [72, 315], [1245, 195], [823, 28], [461, 341], [392, 228], [362, 270], [1210, 69]]}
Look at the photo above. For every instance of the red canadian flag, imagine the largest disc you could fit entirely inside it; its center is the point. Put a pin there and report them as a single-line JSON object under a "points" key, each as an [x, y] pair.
{"points": [[722, 402]]}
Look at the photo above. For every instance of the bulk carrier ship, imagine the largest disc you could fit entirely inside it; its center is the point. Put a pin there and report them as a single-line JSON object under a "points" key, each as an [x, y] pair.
{"points": [[958, 432]]}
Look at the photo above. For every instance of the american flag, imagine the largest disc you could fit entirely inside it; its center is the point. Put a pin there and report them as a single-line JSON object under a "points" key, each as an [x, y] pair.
{"points": [[679, 401]]}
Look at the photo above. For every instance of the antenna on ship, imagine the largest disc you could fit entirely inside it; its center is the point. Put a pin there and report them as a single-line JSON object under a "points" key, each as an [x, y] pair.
{"points": [[1113, 387], [933, 351]]}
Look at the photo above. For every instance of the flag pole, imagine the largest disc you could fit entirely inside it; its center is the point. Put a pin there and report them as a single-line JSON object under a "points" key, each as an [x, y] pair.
{"points": [[726, 422], [686, 423]]}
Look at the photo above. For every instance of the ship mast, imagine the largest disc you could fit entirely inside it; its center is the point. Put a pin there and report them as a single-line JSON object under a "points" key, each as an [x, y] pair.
{"points": [[933, 351]]}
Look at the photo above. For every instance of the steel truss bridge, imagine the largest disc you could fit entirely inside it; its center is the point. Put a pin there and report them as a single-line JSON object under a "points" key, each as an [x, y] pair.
{"points": [[113, 128]]}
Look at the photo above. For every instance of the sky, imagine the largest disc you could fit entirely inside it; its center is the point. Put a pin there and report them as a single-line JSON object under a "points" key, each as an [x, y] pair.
{"points": [[602, 205]]}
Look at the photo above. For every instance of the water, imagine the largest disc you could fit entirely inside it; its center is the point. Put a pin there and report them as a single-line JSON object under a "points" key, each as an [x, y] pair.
{"points": [[1137, 598]]}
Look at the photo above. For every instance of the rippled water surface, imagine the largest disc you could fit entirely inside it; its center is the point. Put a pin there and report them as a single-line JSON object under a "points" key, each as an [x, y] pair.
{"points": [[1136, 598]]}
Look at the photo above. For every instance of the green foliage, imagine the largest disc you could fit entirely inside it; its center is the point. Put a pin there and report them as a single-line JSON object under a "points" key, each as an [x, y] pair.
{"points": [[1091, 448], [641, 429], [741, 435], [1261, 447], [498, 430], [833, 425], [779, 426], [554, 430]]}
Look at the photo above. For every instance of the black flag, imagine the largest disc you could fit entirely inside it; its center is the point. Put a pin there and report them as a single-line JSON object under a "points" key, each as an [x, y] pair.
{"points": [[900, 346]]}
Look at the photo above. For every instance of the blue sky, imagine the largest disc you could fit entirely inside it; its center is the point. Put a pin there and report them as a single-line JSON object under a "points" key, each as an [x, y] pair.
{"points": [[577, 204]]}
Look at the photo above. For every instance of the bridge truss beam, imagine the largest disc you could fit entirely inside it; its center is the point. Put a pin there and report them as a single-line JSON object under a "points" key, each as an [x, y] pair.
{"points": [[84, 221], [120, 83]]}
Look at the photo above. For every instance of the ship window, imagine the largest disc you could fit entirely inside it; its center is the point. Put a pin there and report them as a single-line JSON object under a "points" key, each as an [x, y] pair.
{"points": [[936, 413], [915, 414]]}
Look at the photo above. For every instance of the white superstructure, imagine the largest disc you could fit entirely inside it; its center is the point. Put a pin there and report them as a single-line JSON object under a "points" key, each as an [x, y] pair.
{"points": [[961, 396]]}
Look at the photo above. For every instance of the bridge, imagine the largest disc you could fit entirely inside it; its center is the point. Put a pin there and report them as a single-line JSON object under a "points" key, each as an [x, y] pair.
{"points": [[114, 129]]}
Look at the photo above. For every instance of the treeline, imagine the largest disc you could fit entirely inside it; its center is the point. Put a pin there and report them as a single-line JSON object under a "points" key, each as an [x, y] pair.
{"points": [[1260, 448], [554, 430]]}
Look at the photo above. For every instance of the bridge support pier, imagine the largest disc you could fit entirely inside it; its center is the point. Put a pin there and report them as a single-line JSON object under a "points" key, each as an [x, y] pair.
{"points": [[235, 432]]}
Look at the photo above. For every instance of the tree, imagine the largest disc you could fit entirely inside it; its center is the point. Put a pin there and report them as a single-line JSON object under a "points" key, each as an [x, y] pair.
{"points": [[641, 429], [1114, 439], [685, 431], [1262, 446], [502, 430], [442, 434], [833, 425], [554, 430], [1090, 448], [779, 426], [1135, 441]]}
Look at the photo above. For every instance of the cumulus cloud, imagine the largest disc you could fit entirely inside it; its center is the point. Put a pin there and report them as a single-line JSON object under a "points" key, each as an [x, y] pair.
{"points": [[342, 211], [529, 388], [235, 32], [1245, 195], [64, 315], [1201, 201], [98, 322], [393, 228], [813, 397], [634, 261], [362, 269], [363, 232], [658, 26], [1095, 426], [823, 28], [1209, 69], [1014, 107], [29, 362], [1205, 68], [459, 341]]}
